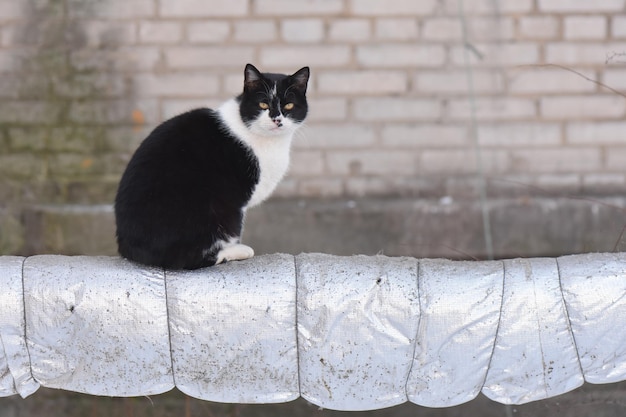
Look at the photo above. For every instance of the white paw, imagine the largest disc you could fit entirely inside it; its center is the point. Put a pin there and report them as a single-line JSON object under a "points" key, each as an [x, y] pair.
{"points": [[236, 252]]}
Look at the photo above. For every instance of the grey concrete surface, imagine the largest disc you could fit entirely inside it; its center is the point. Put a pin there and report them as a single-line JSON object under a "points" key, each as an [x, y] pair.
{"points": [[521, 227]]}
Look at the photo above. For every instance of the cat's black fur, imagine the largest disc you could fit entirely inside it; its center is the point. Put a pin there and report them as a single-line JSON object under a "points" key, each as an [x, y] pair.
{"points": [[184, 193]]}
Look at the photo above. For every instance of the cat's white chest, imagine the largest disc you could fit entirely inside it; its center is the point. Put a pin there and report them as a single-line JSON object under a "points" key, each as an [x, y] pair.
{"points": [[272, 152], [273, 162]]}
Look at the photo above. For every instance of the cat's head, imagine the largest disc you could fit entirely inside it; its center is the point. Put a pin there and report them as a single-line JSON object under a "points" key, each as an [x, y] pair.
{"points": [[273, 104]]}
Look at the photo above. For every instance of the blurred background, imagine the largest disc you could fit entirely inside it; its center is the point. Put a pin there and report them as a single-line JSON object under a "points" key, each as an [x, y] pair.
{"points": [[451, 128], [467, 129]]}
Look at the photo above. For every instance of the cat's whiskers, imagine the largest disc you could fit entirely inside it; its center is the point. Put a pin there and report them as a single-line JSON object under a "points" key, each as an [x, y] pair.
{"points": [[301, 134]]}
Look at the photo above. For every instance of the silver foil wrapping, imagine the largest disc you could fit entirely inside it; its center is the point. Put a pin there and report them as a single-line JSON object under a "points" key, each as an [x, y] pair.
{"points": [[15, 371], [233, 331], [97, 325], [357, 322], [346, 333]]}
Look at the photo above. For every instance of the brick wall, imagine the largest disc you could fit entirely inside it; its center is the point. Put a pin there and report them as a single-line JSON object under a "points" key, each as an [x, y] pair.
{"points": [[392, 111]]}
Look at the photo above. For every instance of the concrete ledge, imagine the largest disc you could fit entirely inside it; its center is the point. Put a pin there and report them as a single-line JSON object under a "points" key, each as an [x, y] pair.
{"points": [[522, 227]]}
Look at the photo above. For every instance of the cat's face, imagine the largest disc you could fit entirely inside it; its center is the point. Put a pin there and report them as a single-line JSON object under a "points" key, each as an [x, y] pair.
{"points": [[273, 104]]}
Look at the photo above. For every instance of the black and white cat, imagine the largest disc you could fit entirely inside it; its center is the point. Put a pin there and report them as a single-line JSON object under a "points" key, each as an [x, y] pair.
{"points": [[182, 199]]}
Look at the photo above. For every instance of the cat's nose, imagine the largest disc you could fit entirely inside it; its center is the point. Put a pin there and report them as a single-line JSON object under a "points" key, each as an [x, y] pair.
{"points": [[278, 121]]}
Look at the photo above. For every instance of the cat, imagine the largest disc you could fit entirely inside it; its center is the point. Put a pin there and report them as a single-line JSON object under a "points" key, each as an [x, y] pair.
{"points": [[182, 199]]}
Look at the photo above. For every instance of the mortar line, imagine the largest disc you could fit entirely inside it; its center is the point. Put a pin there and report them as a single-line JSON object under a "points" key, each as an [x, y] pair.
{"points": [[169, 326], [297, 273]]}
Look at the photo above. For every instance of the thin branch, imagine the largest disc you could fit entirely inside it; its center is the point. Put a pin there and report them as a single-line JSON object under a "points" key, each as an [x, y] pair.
{"points": [[619, 239], [601, 84]]}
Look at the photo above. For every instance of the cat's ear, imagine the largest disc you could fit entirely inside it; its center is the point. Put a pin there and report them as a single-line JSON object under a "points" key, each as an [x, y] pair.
{"points": [[252, 77], [301, 78]]}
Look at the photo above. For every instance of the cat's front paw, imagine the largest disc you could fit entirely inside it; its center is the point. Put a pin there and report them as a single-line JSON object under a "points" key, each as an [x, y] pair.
{"points": [[235, 252]]}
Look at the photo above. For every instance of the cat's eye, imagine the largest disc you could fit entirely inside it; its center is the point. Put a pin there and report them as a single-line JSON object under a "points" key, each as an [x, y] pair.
{"points": [[288, 106], [264, 106]]}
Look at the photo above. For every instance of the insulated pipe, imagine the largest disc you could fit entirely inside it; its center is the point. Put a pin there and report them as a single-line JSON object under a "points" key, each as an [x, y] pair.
{"points": [[345, 333]]}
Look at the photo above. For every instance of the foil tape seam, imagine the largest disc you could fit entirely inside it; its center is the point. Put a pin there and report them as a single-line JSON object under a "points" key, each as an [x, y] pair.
{"points": [[569, 320], [30, 362], [169, 326], [417, 329], [495, 338], [296, 269]]}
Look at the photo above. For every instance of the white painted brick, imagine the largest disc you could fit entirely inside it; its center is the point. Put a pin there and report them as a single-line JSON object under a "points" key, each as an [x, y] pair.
{"points": [[173, 107], [208, 56], [618, 27], [305, 163], [605, 183], [570, 53], [112, 9], [113, 112], [255, 31], [615, 78], [30, 112], [538, 27], [202, 8], [580, 6], [376, 162], [395, 7], [583, 107], [442, 29], [25, 86], [108, 33], [401, 55], [556, 160], [298, 56], [302, 30], [424, 136], [396, 29], [232, 83], [6, 37], [492, 108], [561, 182], [494, 28], [11, 9], [616, 159], [123, 58], [287, 187], [326, 109], [323, 187], [304, 8], [488, 7], [362, 82], [349, 30], [337, 136], [497, 54], [371, 186], [210, 31], [12, 60], [615, 58], [12, 34], [84, 85], [392, 185], [596, 133], [506, 135], [456, 82], [585, 27], [396, 109], [462, 161], [160, 32], [179, 84], [550, 80]]}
